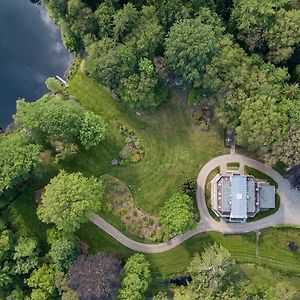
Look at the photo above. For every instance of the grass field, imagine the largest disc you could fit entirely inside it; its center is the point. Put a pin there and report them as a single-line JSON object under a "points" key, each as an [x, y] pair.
{"points": [[272, 249], [174, 149]]}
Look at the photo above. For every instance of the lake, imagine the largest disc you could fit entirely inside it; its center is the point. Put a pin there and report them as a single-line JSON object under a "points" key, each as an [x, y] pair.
{"points": [[31, 50]]}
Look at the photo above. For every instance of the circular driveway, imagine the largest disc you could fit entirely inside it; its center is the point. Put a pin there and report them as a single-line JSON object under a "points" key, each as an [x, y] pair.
{"points": [[288, 212]]}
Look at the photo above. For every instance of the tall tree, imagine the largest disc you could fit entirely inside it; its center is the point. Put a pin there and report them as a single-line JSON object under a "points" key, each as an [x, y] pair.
{"points": [[69, 200], [104, 15], [18, 159], [92, 130], [146, 38], [124, 21], [95, 276], [108, 62], [191, 44], [25, 255], [45, 121], [176, 215], [284, 36], [233, 76], [210, 270], [64, 249], [264, 120], [136, 278], [82, 20], [253, 18], [42, 282]]}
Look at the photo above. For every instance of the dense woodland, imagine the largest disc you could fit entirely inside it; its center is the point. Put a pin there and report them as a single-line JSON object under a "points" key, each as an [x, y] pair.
{"points": [[242, 55]]}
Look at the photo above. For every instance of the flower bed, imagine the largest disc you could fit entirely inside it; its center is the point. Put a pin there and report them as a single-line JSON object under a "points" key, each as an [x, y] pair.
{"points": [[119, 201], [133, 151]]}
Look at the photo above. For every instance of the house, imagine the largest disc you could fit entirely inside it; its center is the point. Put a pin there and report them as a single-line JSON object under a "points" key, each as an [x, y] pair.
{"points": [[236, 197]]}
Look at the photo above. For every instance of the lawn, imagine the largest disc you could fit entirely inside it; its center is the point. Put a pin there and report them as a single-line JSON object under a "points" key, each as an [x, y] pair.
{"points": [[209, 178], [272, 246], [259, 175], [272, 249], [175, 150]]}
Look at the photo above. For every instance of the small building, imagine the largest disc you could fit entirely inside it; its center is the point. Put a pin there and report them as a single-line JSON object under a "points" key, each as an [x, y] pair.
{"points": [[236, 197]]}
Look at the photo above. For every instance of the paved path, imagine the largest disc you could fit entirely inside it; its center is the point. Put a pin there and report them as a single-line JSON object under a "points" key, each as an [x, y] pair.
{"points": [[288, 212]]}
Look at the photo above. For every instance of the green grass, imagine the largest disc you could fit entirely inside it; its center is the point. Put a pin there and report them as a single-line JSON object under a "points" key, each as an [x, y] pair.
{"points": [[210, 177], [259, 175], [273, 250], [22, 218], [268, 212], [233, 166], [174, 149], [262, 277]]}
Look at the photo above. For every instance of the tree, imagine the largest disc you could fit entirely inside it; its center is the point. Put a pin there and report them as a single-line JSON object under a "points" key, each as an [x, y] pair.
{"points": [[42, 282], [233, 76], [146, 38], [108, 62], [6, 244], [264, 121], [253, 18], [64, 249], [18, 159], [176, 216], [69, 200], [25, 255], [82, 20], [135, 279], [283, 37], [124, 21], [46, 122], [95, 276], [92, 130], [294, 177], [104, 15], [71, 41], [170, 11], [53, 85], [191, 44], [210, 271], [139, 91]]}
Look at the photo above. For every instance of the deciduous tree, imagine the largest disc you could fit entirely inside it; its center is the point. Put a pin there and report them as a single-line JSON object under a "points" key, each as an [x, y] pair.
{"points": [[69, 200], [18, 158], [176, 216], [191, 44], [92, 130], [136, 278], [210, 270], [95, 276], [108, 62]]}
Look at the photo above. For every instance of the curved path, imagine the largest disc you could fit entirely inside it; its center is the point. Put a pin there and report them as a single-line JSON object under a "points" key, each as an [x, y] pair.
{"points": [[288, 212]]}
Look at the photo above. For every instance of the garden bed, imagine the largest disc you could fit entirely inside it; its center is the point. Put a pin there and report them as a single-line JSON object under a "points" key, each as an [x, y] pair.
{"points": [[133, 151], [119, 202]]}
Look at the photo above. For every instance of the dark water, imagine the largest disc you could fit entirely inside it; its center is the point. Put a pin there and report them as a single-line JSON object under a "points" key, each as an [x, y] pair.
{"points": [[30, 51]]}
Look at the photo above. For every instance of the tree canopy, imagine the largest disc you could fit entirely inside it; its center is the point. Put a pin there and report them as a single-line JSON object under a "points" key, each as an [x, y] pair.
{"points": [[95, 276], [18, 159], [176, 216], [45, 122], [69, 200], [191, 44], [136, 278]]}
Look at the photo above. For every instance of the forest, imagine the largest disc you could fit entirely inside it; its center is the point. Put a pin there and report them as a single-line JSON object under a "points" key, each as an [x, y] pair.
{"points": [[238, 58]]}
